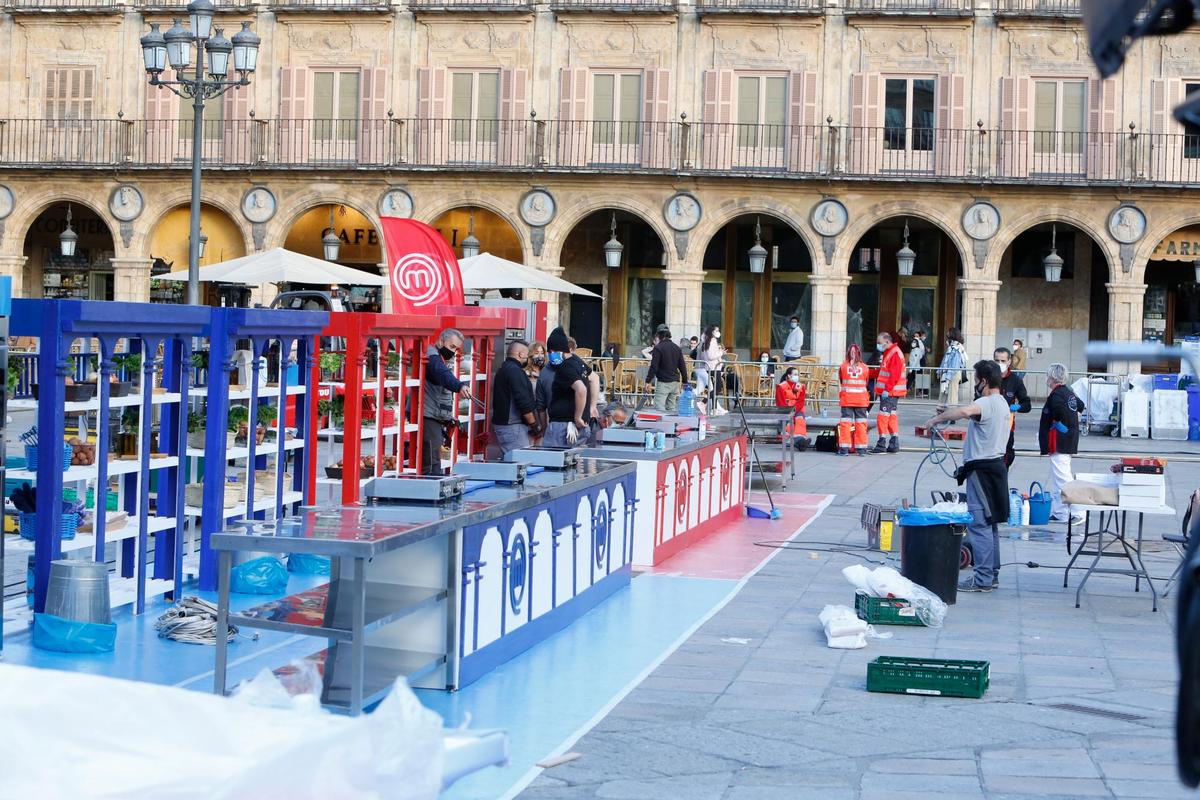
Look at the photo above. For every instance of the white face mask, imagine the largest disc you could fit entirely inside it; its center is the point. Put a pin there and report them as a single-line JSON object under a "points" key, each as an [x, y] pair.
{"points": [[716, 334], [794, 378], [765, 358], [1003, 365]]}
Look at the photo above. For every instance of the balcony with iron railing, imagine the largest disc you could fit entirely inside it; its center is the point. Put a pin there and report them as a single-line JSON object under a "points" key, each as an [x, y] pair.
{"points": [[831, 152], [1038, 8], [40, 6], [760, 6], [483, 6], [909, 7], [614, 6]]}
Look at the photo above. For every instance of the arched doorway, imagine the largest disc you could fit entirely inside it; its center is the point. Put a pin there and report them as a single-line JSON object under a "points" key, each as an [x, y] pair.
{"points": [[86, 274], [221, 240], [753, 309], [1053, 320], [880, 299], [494, 233], [1171, 308], [634, 294], [360, 245]]}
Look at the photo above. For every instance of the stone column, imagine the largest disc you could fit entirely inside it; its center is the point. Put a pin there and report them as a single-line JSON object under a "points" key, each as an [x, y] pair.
{"points": [[14, 267], [131, 280], [979, 317], [1125, 307], [828, 335], [683, 302]]}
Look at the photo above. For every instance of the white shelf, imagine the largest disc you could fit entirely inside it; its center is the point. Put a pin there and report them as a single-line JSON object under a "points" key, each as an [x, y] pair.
{"points": [[261, 503], [94, 404], [244, 394], [123, 466], [479, 417], [264, 449], [367, 433], [87, 541]]}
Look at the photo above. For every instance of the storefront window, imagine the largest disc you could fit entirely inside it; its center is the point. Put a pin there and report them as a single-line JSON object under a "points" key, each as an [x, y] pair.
{"points": [[917, 310], [646, 309], [790, 300], [712, 298], [743, 313], [862, 314]]}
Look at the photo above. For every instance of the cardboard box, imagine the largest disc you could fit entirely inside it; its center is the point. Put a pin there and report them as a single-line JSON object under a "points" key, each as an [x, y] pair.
{"points": [[1135, 479], [1144, 491]]}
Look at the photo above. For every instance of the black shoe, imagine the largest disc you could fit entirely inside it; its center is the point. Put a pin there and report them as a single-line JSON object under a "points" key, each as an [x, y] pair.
{"points": [[880, 447], [995, 583], [969, 585], [843, 451], [894, 445], [861, 452]]}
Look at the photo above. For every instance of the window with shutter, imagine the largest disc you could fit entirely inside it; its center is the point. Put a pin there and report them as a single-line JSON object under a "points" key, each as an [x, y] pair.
{"points": [[336, 98], [1059, 112], [214, 119], [616, 107], [908, 113], [70, 93], [1191, 131], [760, 113], [474, 107]]}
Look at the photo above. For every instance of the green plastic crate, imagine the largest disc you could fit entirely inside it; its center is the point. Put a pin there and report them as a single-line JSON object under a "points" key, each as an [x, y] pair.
{"points": [[929, 676], [885, 611]]}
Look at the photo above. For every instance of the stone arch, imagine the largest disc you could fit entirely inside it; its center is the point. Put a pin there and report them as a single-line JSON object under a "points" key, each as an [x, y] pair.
{"points": [[1011, 229], [1144, 248], [289, 214], [560, 228], [172, 199], [518, 227], [732, 209], [29, 208], [860, 224]]}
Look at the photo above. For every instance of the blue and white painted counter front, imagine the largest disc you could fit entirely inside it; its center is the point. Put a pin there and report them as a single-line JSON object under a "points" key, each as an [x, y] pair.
{"points": [[444, 593]]}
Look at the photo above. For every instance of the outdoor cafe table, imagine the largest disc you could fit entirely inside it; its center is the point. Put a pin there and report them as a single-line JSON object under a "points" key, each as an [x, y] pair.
{"points": [[1113, 523]]}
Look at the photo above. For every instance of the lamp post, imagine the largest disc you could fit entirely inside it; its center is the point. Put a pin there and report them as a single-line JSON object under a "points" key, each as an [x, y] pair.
{"points": [[613, 248], [1053, 262], [905, 257], [757, 253], [174, 49]]}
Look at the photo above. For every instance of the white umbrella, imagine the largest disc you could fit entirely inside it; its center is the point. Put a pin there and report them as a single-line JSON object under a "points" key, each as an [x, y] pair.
{"points": [[280, 266], [486, 271]]}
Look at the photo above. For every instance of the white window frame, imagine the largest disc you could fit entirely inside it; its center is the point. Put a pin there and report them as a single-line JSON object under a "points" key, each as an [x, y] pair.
{"points": [[1057, 134], [335, 127], [910, 130], [475, 127], [760, 136], [621, 133]]}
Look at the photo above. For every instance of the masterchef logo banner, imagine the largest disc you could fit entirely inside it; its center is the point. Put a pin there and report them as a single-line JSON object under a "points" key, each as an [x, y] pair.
{"points": [[422, 269]]}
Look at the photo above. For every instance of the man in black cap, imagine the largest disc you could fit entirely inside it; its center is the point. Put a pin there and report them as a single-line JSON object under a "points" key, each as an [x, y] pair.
{"points": [[569, 401]]}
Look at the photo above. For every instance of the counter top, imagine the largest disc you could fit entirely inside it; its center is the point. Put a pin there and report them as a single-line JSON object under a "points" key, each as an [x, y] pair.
{"points": [[679, 445], [364, 531]]}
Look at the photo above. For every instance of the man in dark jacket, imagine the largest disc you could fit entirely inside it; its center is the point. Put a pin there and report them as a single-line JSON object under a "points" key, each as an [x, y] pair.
{"points": [[569, 401], [1058, 437], [440, 408], [1013, 389], [666, 374], [513, 418], [984, 473]]}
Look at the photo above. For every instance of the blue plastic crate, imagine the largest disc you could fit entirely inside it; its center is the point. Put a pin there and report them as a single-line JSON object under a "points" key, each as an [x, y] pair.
{"points": [[27, 526], [1166, 382], [31, 457]]}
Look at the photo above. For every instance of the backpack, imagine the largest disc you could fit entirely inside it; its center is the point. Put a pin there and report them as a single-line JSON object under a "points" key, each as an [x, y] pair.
{"points": [[826, 442]]}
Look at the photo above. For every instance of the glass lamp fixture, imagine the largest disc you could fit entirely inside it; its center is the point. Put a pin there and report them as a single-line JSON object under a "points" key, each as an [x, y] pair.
{"points": [[906, 259], [470, 245], [330, 242], [68, 238], [613, 248], [1053, 263], [758, 253]]}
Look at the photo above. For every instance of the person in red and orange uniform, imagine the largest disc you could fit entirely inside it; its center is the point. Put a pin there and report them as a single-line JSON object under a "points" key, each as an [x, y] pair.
{"points": [[791, 393], [854, 400], [890, 386]]}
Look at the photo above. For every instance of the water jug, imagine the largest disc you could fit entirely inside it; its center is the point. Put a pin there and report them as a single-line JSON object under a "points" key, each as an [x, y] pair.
{"points": [[687, 402], [1014, 507]]}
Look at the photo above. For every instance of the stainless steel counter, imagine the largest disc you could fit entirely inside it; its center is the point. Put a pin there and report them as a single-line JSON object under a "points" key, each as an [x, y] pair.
{"points": [[679, 445]]}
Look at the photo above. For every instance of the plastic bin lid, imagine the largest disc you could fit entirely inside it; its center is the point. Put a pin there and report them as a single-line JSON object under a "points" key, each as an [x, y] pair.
{"points": [[925, 517]]}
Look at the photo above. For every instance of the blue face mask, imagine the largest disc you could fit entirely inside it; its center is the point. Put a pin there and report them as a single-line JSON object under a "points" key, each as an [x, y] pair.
{"points": [[556, 358], [879, 347]]}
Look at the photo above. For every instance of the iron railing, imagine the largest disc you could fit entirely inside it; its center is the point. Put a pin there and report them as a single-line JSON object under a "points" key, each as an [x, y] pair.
{"points": [[471, 5], [788, 6], [1038, 8], [629, 6], [59, 5], [977, 154], [330, 5], [953, 7]]}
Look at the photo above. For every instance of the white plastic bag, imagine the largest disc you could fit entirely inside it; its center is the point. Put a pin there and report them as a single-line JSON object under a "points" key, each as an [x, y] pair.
{"points": [[887, 582], [858, 575], [843, 629]]}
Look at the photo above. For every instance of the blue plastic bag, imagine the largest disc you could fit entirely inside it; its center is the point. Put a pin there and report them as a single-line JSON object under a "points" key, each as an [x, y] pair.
{"points": [[305, 564], [265, 575], [68, 636], [925, 517]]}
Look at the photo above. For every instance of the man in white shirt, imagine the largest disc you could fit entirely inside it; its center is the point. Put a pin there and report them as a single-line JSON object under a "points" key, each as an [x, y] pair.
{"points": [[794, 347]]}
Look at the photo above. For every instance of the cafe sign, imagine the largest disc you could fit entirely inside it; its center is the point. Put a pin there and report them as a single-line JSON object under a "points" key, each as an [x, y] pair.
{"points": [[1182, 245]]}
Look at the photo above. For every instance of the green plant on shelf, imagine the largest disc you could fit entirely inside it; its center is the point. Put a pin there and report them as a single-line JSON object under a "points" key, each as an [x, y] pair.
{"points": [[337, 411], [239, 416], [200, 359], [131, 363], [393, 362], [129, 421], [267, 414], [331, 364], [196, 421], [14, 374]]}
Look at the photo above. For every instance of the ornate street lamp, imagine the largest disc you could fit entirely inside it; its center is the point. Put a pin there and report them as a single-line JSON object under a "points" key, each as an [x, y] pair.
{"points": [[470, 245], [613, 248], [174, 48], [1053, 263], [330, 242], [68, 238], [758, 253], [906, 259]]}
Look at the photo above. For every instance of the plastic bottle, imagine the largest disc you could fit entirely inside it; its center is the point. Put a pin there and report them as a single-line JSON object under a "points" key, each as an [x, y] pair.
{"points": [[687, 402], [1014, 507], [1025, 514], [649, 437]]}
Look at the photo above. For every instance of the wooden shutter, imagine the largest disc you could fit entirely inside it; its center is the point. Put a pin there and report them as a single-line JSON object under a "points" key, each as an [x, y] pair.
{"points": [[1014, 141], [514, 123], [951, 140], [431, 108], [373, 129], [805, 132], [573, 127], [294, 125], [718, 119], [656, 118], [160, 132], [1166, 142], [1100, 138], [866, 122], [235, 128]]}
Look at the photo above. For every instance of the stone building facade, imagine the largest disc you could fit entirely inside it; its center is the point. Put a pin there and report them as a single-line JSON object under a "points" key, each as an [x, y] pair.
{"points": [[548, 128]]}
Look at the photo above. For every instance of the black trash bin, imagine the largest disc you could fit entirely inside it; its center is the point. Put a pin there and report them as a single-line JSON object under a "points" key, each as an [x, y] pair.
{"points": [[929, 556]]}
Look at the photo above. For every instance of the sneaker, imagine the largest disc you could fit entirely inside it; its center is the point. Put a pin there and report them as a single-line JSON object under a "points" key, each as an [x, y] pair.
{"points": [[843, 451], [880, 447], [995, 583], [861, 451], [969, 585], [894, 445], [1078, 520]]}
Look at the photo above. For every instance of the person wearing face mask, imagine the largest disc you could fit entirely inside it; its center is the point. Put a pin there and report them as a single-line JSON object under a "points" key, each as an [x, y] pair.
{"points": [[1013, 390], [569, 401], [791, 393], [890, 385], [1020, 357], [439, 406], [984, 473], [712, 355], [793, 348], [514, 420], [854, 400], [952, 370]]}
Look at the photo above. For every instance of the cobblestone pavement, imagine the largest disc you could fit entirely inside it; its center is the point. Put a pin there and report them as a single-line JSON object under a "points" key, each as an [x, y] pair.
{"points": [[754, 706]]}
